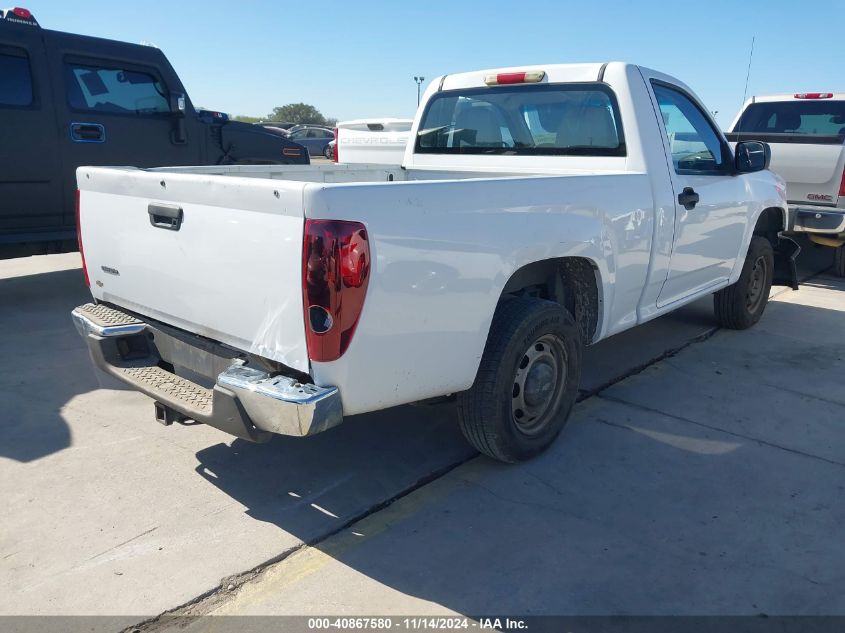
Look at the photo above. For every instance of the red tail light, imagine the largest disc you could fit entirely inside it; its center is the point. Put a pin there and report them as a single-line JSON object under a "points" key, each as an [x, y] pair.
{"points": [[842, 185], [814, 95], [335, 151], [79, 241], [335, 274], [26, 14]]}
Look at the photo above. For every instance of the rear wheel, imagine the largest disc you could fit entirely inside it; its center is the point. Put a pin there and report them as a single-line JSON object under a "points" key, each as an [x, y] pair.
{"points": [[839, 261], [527, 382], [740, 305], [327, 151]]}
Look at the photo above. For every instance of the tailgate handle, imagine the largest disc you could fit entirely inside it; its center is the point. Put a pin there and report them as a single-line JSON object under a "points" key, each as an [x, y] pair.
{"points": [[164, 216]]}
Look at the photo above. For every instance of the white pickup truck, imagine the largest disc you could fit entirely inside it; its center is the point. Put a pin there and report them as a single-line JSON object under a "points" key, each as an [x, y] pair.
{"points": [[806, 132], [537, 210], [375, 141]]}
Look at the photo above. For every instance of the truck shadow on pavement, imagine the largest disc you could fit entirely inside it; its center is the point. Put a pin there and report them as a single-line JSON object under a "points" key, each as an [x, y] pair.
{"points": [[371, 458], [307, 486], [720, 499], [45, 364]]}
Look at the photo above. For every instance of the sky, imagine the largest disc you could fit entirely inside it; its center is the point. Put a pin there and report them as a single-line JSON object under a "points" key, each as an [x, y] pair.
{"points": [[358, 58]]}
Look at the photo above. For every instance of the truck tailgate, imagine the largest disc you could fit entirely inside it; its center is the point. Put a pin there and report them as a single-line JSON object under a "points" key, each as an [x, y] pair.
{"points": [[812, 172], [216, 256]]}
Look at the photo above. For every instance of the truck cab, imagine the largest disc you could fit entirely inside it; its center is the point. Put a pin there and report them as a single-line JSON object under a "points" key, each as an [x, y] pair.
{"points": [[68, 100]]}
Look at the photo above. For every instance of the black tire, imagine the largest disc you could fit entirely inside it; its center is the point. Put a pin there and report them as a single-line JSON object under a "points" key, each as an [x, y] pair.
{"points": [[491, 412], [740, 305], [839, 261], [327, 152]]}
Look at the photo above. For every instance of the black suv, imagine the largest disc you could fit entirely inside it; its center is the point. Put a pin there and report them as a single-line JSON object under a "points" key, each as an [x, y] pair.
{"points": [[68, 100]]}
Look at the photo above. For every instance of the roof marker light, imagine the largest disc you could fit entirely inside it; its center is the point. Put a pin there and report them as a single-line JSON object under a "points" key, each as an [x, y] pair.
{"points": [[527, 77], [814, 95], [18, 15]]}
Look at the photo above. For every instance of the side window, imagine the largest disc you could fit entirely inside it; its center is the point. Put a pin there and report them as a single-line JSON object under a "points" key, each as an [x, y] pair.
{"points": [[114, 90], [695, 145], [299, 134], [15, 79]]}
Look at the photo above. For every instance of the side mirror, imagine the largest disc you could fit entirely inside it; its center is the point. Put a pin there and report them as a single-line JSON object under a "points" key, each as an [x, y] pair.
{"points": [[177, 110], [177, 104], [751, 156]]}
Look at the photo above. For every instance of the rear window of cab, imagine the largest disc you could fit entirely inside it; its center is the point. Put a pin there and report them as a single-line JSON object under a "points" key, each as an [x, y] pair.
{"points": [[523, 120], [822, 117]]}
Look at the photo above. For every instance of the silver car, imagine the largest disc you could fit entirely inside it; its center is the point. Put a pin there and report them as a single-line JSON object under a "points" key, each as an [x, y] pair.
{"points": [[314, 138]]}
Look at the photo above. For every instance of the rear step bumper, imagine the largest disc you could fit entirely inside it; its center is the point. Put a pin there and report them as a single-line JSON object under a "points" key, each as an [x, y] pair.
{"points": [[245, 401], [821, 220]]}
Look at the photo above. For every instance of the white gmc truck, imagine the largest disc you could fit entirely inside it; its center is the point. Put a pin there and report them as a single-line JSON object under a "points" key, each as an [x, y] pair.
{"points": [[537, 210], [806, 133]]}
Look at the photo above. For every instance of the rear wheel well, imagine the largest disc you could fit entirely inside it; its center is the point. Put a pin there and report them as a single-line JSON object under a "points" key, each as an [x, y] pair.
{"points": [[570, 281]]}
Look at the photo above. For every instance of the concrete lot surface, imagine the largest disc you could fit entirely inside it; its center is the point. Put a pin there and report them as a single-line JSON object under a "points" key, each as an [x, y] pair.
{"points": [[710, 482]]}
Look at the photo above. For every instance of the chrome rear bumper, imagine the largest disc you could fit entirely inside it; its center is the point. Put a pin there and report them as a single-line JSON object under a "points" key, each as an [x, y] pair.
{"points": [[245, 401]]}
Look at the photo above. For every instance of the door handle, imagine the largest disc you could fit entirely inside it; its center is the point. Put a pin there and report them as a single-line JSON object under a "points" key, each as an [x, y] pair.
{"points": [[87, 133], [164, 216], [688, 198]]}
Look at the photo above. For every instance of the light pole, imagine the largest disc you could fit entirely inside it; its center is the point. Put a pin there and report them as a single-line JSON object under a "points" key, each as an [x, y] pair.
{"points": [[419, 81]]}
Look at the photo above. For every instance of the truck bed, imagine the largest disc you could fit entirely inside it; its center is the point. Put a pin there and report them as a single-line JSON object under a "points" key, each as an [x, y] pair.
{"points": [[346, 173], [231, 270]]}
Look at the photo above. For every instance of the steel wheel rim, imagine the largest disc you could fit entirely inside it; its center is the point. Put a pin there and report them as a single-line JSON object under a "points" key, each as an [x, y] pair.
{"points": [[538, 384], [756, 284]]}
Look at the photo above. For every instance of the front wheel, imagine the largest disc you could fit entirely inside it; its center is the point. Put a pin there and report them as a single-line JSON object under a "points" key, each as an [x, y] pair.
{"points": [[740, 305], [527, 382]]}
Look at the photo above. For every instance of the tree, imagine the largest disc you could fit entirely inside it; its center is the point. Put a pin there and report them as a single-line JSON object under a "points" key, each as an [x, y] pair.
{"points": [[297, 113], [246, 119]]}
